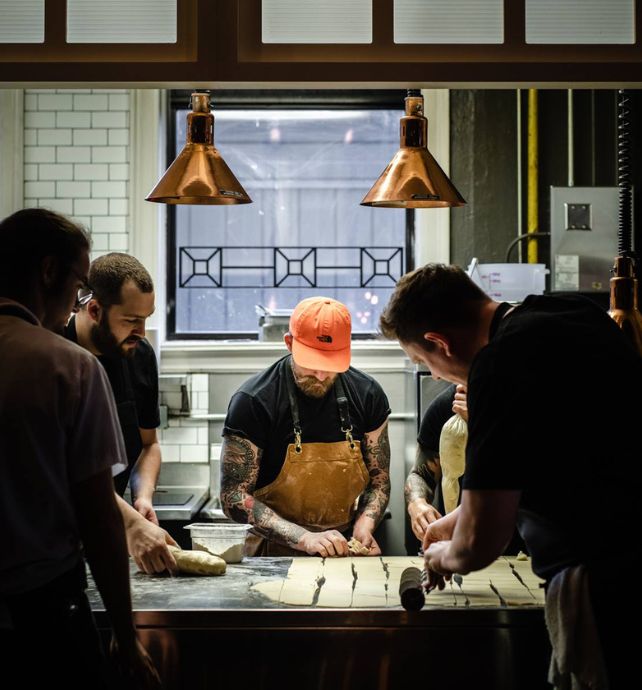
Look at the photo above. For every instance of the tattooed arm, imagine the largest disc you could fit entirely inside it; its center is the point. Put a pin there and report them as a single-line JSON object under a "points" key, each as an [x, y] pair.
{"points": [[241, 460], [239, 471], [420, 490], [376, 455]]}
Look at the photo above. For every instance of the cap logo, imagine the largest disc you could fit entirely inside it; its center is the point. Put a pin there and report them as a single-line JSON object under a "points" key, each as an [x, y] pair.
{"points": [[324, 338]]}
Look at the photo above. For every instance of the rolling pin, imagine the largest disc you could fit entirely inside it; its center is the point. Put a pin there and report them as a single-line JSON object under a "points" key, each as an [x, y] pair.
{"points": [[411, 590]]}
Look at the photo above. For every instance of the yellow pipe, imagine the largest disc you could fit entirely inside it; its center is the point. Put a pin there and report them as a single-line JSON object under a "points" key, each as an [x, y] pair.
{"points": [[531, 225]]}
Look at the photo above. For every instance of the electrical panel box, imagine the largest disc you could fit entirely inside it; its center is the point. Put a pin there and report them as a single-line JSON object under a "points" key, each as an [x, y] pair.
{"points": [[584, 222]]}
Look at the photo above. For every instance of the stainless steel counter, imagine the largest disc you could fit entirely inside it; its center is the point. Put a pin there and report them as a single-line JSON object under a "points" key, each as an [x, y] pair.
{"points": [[215, 632]]}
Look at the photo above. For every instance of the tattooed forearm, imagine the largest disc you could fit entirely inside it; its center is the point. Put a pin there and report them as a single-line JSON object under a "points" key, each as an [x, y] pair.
{"points": [[423, 477], [239, 471], [376, 455], [269, 525]]}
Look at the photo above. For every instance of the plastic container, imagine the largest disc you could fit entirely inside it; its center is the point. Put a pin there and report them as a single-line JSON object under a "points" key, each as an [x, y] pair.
{"points": [[220, 539], [509, 282]]}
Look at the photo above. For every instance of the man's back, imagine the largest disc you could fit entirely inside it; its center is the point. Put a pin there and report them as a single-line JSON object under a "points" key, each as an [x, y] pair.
{"points": [[56, 429], [552, 404]]}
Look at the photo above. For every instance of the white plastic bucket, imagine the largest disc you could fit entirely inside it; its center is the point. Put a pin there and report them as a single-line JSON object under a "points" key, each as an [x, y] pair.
{"points": [[220, 539], [509, 282]]}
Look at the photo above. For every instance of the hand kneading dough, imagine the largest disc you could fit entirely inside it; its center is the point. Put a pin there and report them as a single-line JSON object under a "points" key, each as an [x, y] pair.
{"points": [[452, 458], [357, 548], [197, 562]]}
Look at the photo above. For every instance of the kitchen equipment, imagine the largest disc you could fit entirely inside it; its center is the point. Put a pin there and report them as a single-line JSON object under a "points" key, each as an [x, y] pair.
{"points": [[411, 590], [219, 539], [273, 323], [509, 282]]}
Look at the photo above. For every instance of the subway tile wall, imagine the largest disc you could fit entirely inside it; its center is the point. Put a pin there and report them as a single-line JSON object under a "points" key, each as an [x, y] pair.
{"points": [[76, 162], [77, 159], [186, 440]]}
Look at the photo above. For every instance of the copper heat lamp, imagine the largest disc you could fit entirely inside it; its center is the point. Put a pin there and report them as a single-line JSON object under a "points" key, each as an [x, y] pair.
{"points": [[413, 179], [199, 175]]}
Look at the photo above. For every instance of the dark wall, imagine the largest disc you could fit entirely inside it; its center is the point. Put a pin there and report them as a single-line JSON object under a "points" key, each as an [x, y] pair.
{"points": [[483, 166], [484, 161]]}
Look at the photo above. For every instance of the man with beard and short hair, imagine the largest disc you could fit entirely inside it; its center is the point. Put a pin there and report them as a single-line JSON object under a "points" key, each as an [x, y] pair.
{"points": [[306, 454], [110, 323]]}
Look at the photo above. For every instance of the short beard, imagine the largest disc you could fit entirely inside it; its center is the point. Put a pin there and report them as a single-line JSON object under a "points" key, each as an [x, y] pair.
{"points": [[312, 387], [104, 341]]}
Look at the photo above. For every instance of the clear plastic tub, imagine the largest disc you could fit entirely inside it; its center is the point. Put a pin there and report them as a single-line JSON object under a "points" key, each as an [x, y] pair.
{"points": [[509, 282], [220, 539]]}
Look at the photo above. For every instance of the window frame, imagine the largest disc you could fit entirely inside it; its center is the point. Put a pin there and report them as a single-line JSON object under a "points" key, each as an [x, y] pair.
{"points": [[266, 99]]}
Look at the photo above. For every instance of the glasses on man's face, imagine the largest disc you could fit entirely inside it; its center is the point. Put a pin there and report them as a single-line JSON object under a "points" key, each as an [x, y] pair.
{"points": [[84, 294]]}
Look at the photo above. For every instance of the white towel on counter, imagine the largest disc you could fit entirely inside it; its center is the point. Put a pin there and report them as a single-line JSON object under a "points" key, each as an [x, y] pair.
{"points": [[577, 662]]}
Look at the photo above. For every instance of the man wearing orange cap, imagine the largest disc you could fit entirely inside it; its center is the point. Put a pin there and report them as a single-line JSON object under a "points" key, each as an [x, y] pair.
{"points": [[306, 453]]}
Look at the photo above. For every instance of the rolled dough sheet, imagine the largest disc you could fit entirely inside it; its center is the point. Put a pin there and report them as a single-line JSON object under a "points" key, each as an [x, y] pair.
{"points": [[373, 582]]}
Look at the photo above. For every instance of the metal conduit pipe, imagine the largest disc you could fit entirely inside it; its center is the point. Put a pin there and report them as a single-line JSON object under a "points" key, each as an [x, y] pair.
{"points": [[532, 207]]}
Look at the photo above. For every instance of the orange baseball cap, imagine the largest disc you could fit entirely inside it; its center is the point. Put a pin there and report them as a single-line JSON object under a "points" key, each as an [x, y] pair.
{"points": [[320, 329]]}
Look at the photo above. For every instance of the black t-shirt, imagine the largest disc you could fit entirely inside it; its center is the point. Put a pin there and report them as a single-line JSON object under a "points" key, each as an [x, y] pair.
{"points": [[553, 408], [260, 412], [437, 414], [143, 374]]}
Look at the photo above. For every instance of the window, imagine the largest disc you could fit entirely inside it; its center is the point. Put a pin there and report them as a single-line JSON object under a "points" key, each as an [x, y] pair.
{"points": [[306, 160]]}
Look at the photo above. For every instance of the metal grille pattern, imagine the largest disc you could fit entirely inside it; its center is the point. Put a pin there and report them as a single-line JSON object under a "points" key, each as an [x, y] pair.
{"points": [[262, 267]]}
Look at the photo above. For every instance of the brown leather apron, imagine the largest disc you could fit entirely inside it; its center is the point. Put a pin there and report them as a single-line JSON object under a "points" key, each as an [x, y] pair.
{"points": [[319, 485]]}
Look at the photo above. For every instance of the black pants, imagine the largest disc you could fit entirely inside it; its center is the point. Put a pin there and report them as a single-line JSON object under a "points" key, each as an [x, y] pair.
{"points": [[53, 639]]}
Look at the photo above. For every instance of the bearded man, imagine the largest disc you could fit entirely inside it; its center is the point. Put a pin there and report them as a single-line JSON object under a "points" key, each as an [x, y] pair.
{"points": [[306, 454], [110, 322]]}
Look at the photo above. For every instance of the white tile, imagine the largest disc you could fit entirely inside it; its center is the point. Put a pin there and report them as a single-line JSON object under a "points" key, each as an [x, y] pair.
{"points": [[170, 452], [40, 189], [73, 119], [31, 102], [55, 102], [40, 90], [91, 102], [199, 382], [180, 435], [203, 401], [90, 137], [57, 171], [40, 154], [118, 242], [54, 137], [118, 101], [30, 172], [38, 119], [194, 453], [94, 171], [204, 436], [99, 241], [109, 189], [119, 171], [110, 224], [118, 207], [109, 154], [73, 154], [118, 137], [73, 189], [59, 205], [30, 137], [90, 207], [107, 119], [30, 203]]}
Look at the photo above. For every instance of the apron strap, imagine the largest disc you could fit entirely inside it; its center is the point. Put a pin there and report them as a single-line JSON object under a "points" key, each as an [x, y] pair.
{"points": [[342, 402], [344, 411], [294, 408]]}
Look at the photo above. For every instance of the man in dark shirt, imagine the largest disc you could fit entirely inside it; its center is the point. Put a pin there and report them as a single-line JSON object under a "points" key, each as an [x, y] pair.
{"points": [[423, 485], [534, 457], [110, 323], [306, 453]]}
